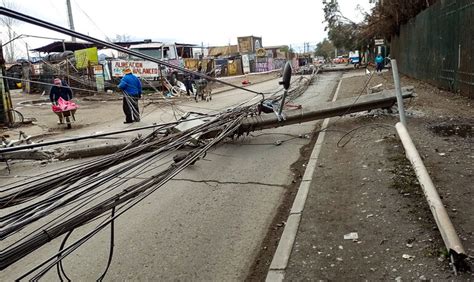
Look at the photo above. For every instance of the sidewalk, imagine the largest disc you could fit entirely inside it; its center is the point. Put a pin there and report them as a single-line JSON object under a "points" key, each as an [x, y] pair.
{"points": [[369, 188]]}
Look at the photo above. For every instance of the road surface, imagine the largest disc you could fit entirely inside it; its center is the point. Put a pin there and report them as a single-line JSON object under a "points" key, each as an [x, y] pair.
{"points": [[208, 223]]}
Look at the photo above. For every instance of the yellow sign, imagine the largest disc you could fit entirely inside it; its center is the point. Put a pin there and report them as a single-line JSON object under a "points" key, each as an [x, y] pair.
{"points": [[261, 52], [191, 64], [232, 67], [86, 56]]}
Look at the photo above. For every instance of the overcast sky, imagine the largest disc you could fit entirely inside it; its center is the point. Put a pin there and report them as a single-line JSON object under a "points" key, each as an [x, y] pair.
{"points": [[212, 23]]}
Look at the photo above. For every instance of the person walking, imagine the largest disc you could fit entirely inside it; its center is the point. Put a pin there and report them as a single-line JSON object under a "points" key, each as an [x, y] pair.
{"points": [[60, 89], [379, 62], [188, 83], [132, 88]]}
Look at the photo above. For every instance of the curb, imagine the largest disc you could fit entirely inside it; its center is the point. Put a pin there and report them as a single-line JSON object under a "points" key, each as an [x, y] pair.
{"points": [[282, 254]]}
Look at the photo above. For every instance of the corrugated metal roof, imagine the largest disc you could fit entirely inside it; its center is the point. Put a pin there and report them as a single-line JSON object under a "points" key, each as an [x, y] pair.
{"points": [[57, 46], [223, 50], [146, 45]]}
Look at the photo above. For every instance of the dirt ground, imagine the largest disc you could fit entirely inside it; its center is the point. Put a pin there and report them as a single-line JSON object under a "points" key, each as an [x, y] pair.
{"points": [[364, 184], [96, 111]]}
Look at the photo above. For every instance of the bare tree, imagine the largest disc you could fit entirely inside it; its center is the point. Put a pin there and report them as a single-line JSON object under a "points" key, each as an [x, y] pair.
{"points": [[122, 38], [8, 24]]}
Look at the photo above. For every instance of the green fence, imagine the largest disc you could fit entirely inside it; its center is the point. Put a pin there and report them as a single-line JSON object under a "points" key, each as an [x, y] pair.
{"points": [[438, 46]]}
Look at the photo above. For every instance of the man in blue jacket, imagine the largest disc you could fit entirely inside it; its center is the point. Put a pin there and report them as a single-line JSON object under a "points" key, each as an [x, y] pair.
{"points": [[132, 89]]}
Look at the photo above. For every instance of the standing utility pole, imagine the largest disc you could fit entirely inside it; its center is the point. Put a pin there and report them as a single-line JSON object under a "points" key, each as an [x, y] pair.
{"points": [[5, 99], [69, 14]]}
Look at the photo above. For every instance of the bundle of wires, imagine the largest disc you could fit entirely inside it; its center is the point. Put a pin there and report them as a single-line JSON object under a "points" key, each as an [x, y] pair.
{"points": [[45, 207]]}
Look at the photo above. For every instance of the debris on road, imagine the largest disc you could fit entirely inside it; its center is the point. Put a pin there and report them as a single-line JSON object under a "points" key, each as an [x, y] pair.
{"points": [[351, 236]]}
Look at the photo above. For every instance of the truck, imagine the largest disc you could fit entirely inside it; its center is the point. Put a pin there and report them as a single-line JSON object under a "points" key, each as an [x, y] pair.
{"points": [[172, 53], [354, 58]]}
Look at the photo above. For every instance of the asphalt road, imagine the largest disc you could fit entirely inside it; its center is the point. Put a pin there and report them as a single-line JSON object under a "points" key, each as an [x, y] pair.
{"points": [[206, 224]]}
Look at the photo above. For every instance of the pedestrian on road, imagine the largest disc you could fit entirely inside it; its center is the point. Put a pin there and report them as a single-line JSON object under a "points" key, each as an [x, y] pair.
{"points": [[132, 88], [188, 83], [60, 89], [379, 62]]}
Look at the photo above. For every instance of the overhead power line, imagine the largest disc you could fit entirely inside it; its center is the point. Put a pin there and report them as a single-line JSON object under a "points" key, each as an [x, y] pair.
{"points": [[72, 33]]}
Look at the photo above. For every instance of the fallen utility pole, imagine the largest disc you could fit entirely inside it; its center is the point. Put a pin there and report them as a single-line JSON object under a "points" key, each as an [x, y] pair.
{"points": [[330, 109], [340, 107], [448, 233]]}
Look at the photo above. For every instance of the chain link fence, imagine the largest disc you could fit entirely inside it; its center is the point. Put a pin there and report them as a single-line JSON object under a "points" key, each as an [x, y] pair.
{"points": [[438, 46]]}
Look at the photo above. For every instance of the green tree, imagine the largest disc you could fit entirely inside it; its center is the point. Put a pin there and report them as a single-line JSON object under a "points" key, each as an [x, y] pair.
{"points": [[343, 36], [344, 33], [387, 16], [325, 49]]}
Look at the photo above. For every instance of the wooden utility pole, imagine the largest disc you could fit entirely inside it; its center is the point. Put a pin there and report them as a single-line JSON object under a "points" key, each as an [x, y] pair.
{"points": [[25, 70], [5, 99]]}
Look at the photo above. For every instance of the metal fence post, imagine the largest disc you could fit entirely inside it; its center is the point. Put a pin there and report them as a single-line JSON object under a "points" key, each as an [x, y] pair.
{"points": [[398, 92]]}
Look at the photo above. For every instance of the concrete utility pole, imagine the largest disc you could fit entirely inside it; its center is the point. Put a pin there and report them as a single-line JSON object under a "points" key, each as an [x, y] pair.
{"points": [[71, 21]]}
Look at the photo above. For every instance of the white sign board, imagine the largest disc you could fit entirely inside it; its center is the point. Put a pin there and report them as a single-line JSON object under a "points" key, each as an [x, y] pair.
{"points": [[139, 68], [379, 42], [246, 63]]}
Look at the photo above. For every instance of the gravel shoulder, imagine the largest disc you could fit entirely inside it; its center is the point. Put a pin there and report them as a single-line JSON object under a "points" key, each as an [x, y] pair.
{"points": [[364, 184]]}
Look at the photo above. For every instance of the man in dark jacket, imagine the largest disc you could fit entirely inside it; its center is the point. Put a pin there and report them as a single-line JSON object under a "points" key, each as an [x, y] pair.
{"points": [[132, 88], [188, 83], [60, 89]]}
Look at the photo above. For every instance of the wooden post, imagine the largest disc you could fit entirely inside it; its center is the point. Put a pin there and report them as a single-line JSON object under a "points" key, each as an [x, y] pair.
{"points": [[162, 83], [6, 116]]}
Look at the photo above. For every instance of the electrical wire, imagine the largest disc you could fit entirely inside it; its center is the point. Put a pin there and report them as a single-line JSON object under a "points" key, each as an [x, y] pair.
{"points": [[91, 190], [91, 20], [190, 159], [111, 250], [381, 125], [145, 184], [35, 21], [46, 83]]}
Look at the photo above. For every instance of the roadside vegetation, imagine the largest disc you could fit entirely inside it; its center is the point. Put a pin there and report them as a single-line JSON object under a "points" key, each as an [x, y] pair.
{"points": [[383, 21]]}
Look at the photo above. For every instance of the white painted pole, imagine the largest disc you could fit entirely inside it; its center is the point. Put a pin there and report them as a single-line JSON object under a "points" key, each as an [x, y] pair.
{"points": [[398, 92], [445, 226]]}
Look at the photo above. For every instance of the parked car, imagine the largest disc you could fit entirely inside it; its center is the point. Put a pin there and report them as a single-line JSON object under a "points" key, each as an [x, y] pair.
{"points": [[344, 59]]}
